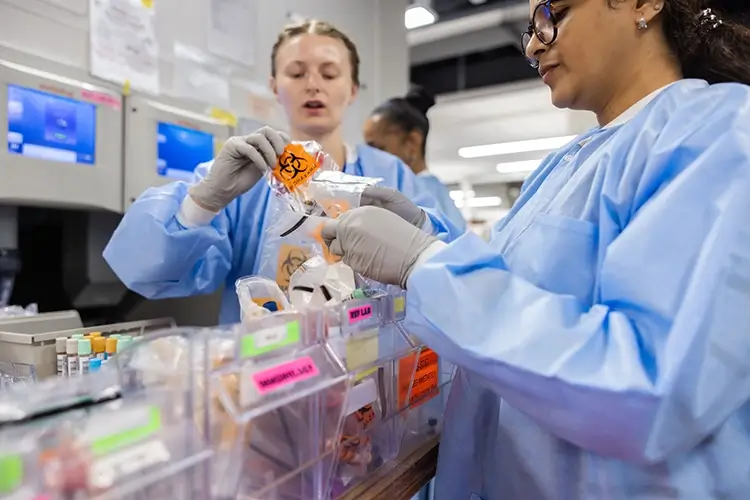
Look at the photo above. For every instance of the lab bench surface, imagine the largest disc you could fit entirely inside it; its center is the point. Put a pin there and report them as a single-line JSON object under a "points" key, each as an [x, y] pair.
{"points": [[403, 479]]}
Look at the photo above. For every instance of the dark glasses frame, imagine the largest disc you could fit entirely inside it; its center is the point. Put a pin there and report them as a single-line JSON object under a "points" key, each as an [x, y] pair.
{"points": [[533, 30]]}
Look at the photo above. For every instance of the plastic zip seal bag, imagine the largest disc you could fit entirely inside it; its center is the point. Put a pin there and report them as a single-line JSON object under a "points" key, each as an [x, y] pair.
{"points": [[289, 242], [259, 296], [336, 192], [296, 168]]}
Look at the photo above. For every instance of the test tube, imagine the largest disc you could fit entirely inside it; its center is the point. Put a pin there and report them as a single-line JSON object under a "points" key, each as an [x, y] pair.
{"points": [[77, 336], [84, 355], [95, 334], [110, 347], [99, 345], [115, 336], [124, 342], [62, 358], [71, 348]]}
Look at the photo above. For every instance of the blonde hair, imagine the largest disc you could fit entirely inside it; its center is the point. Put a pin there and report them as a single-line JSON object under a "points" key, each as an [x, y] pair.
{"points": [[315, 27]]}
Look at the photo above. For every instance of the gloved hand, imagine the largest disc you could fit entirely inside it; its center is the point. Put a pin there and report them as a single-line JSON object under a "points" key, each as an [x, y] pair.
{"points": [[393, 201], [376, 243], [238, 166]]}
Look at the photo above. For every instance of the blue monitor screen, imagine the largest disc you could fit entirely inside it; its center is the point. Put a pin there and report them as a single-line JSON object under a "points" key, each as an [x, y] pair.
{"points": [[181, 149], [50, 127]]}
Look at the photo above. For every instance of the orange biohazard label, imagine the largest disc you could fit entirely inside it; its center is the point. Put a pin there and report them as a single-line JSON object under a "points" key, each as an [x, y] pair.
{"points": [[295, 167], [290, 258], [424, 384]]}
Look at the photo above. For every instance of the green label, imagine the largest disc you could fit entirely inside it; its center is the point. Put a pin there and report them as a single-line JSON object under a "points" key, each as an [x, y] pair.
{"points": [[150, 425], [11, 473], [269, 339]]}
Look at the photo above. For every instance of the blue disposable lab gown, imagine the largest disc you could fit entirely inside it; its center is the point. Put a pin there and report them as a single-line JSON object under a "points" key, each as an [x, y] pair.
{"points": [[445, 203], [603, 335], [158, 258]]}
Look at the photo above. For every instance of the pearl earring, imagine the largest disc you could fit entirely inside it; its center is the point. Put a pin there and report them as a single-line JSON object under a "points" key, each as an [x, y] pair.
{"points": [[642, 24]]}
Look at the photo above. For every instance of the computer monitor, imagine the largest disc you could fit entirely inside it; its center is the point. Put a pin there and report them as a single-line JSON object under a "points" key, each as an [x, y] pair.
{"points": [[63, 141], [180, 149], [164, 143]]}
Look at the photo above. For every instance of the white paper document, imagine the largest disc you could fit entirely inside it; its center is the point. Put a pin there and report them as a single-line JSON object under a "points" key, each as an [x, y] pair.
{"points": [[231, 30], [199, 79], [123, 43]]}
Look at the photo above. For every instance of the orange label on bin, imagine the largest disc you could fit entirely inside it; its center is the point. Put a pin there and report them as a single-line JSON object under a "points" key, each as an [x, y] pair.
{"points": [[424, 385], [295, 167], [290, 258]]}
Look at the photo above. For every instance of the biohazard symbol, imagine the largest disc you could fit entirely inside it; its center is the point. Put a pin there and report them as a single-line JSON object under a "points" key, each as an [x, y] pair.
{"points": [[295, 167], [291, 165], [290, 258]]}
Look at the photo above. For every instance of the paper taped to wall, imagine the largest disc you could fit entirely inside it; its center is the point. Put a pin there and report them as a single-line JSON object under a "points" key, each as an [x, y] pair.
{"points": [[122, 42], [198, 78], [231, 30]]}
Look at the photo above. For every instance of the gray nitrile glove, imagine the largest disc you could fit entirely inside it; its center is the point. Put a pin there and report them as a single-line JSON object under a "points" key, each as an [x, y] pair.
{"points": [[393, 201], [376, 243], [238, 166]]}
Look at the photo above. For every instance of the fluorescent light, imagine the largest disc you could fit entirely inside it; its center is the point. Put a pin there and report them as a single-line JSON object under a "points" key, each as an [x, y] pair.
{"points": [[517, 167], [460, 195], [507, 148], [418, 16], [482, 201]]}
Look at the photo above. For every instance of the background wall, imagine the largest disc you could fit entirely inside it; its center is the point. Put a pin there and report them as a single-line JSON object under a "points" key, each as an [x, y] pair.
{"points": [[503, 113], [58, 30]]}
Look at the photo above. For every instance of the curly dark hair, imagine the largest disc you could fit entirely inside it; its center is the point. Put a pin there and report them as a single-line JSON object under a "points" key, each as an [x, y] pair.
{"points": [[713, 52]]}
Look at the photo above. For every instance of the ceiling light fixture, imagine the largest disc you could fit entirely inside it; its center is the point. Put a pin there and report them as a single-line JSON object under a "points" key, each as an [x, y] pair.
{"points": [[507, 148], [480, 202], [518, 167], [460, 195], [419, 16]]}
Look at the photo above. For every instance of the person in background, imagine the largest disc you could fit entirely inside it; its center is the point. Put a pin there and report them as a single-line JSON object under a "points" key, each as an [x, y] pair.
{"points": [[400, 126], [186, 239], [602, 334]]}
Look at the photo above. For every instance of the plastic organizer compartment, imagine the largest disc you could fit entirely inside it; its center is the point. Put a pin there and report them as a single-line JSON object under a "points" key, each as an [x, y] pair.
{"points": [[367, 337], [268, 402], [124, 449]]}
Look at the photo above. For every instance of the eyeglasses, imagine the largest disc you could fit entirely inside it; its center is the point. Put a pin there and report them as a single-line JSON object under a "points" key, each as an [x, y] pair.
{"points": [[543, 25]]}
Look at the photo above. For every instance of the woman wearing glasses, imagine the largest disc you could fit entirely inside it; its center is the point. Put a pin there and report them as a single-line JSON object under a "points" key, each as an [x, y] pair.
{"points": [[602, 335]]}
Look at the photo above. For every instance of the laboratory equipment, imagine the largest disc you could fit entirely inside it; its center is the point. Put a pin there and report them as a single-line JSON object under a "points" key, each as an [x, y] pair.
{"points": [[164, 143], [30, 343], [63, 141]]}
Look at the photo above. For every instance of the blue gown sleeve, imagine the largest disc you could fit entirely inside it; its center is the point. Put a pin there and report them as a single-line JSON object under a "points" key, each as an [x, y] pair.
{"points": [[444, 203], [662, 356], [442, 226], [155, 256]]}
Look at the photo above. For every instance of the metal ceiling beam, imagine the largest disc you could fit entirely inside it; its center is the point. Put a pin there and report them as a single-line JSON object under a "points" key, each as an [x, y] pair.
{"points": [[465, 43], [492, 18]]}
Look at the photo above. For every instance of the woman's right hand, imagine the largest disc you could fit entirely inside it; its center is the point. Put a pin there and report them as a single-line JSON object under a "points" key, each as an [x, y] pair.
{"points": [[241, 163]]}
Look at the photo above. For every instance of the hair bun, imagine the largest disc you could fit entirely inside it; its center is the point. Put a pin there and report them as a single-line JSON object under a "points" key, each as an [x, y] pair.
{"points": [[420, 98]]}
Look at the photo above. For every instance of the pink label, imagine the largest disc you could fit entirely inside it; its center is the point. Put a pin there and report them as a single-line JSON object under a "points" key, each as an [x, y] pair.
{"points": [[288, 373], [101, 98], [360, 313]]}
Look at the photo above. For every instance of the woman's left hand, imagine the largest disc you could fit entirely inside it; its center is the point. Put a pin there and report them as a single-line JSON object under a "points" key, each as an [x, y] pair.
{"points": [[377, 243]]}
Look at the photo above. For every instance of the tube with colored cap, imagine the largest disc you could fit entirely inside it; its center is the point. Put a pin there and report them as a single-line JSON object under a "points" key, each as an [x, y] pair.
{"points": [[99, 345], [95, 365], [110, 347]]}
